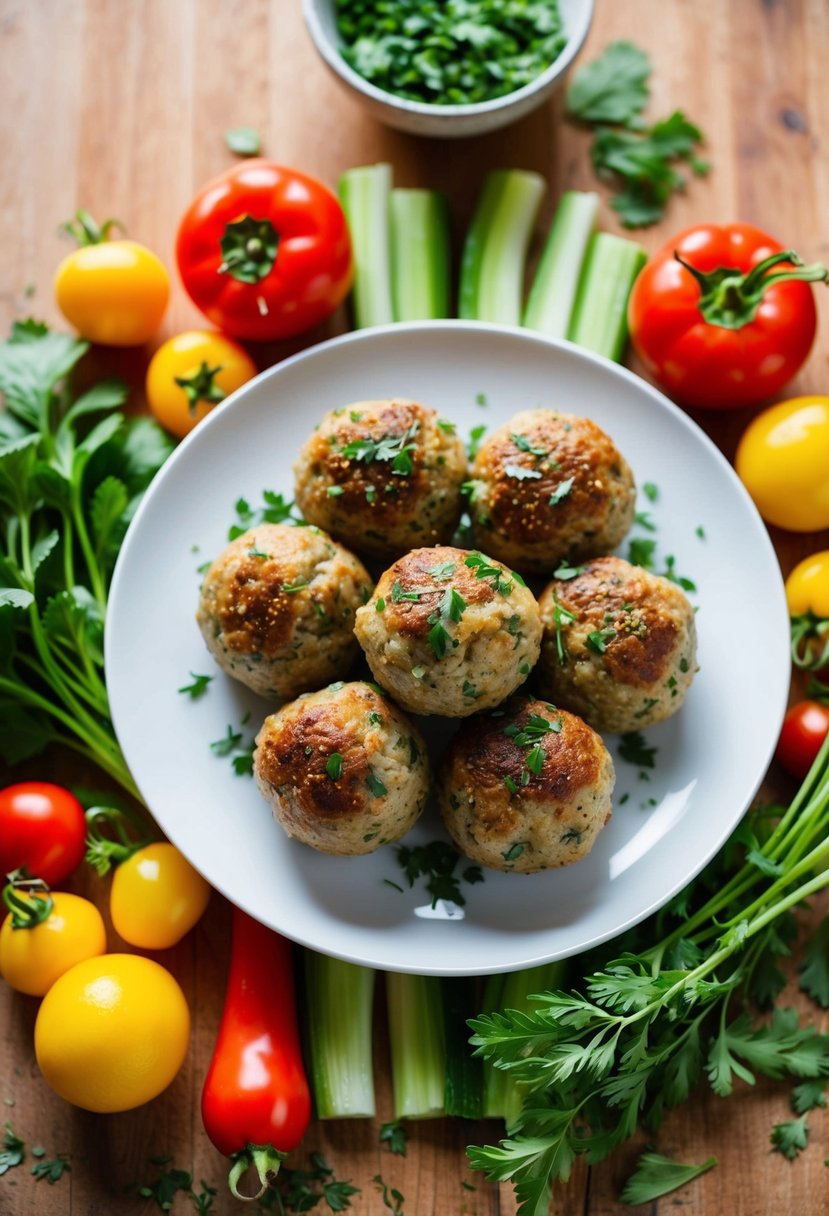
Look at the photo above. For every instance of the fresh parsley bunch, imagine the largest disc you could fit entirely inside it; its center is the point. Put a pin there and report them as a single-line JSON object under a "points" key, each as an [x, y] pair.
{"points": [[72, 472], [635, 1039]]}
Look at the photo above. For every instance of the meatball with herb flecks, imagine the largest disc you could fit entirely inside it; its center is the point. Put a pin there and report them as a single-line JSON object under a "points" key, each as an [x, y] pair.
{"points": [[619, 644], [382, 476], [526, 788], [343, 769], [277, 609], [449, 631], [547, 486]]}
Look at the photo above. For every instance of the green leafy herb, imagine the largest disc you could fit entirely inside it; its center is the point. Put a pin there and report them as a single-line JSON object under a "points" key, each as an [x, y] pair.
{"points": [[809, 1095], [453, 53], [562, 617], [651, 491], [561, 491], [643, 520], [13, 1152], [335, 491], [514, 851], [244, 141], [641, 552], [51, 1171], [437, 862], [301, 1190], [392, 1198], [475, 436], [395, 448], [395, 1136], [635, 750], [379, 604], [166, 1186], [523, 444], [565, 571], [484, 568], [598, 639], [613, 88], [334, 766], [376, 786], [519, 473], [670, 572], [656, 1175], [790, 1139], [814, 970], [239, 749], [198, 688], [447, 427], [275, 509], [398, 594], [203, 1200], [73, 470], [443, 571]]}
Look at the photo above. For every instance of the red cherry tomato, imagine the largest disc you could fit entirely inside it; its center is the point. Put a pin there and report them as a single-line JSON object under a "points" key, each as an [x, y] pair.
{"points": [[804, 729], [720, 317], [264, 251], [42, 827]]}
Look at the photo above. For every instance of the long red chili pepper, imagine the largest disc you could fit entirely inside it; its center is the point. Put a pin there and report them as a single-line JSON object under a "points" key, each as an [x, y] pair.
{"points": [[256, 1104]]}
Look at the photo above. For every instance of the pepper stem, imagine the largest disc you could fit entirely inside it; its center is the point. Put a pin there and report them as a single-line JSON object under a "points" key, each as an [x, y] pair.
{"points": [[730, 298], [86, 231], [200, 385], [249, 249], [28, 899], [265, 1159]]}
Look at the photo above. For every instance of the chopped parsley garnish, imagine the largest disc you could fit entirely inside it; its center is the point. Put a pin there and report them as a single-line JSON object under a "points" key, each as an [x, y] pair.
{"points": [[292, 588], [380, 604], [13, 1150], [239, 751], [484, 569], [275, 509], [686, 584], [529, 736], [443, 571], [510, 784], [683, 664], [643, 520], [437, 863], [376, 786], [469, 690], [51, 1171], [641, 552], [451, 609], [561, 491], [334, 491], [562, 617], [481, 399], [598, 640], [634, 749], [394, 448], [198, 688], [374, 718], [334, 766], [254, 552], [371, 494], [566, 571], [514, 851], [700, 532], [398, 594], [475, 436], [650, 491], [535, 760], [523, 444], [395, 1136], [393, 1199], [447, 427]]}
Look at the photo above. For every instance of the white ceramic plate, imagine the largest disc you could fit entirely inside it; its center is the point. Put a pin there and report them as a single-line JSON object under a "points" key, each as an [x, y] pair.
{"points": [[711, 756]]}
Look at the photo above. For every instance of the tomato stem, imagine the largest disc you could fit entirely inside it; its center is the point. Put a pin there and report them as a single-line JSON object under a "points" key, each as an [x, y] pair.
{"points": [[730, 298], [86, 231], [249, 248], [28, 899], [103, 853], [265, 1159], [200, 385]]}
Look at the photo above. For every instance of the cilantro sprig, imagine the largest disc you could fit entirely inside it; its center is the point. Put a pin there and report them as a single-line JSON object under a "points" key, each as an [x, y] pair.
{"points": [[395, 448], [529, 736]]}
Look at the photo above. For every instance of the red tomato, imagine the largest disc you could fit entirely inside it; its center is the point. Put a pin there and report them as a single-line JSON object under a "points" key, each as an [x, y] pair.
{"points": [[42, 827], [720, 316], [804, 729], [264, 251]]}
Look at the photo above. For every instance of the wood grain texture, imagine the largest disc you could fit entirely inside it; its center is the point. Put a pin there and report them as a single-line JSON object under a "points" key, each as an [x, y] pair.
{"points": [[120, 106]]}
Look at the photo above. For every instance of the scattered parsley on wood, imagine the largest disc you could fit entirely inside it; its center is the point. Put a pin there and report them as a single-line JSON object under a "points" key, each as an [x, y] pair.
{"points": [[51, 1171], [809, 1095], [13, 1151], [656, 1175], [790, 1139], [814, 969], [392, 1198], [610, 94], [243, 141], [395, 1137]]}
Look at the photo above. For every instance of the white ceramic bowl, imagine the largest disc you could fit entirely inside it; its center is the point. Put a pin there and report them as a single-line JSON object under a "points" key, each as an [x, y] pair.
{"points": [[447, 121]]}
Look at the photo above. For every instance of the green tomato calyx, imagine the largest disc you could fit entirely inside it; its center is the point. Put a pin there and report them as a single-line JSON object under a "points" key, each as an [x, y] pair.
{"points": [[249, 249], [730, 297]]}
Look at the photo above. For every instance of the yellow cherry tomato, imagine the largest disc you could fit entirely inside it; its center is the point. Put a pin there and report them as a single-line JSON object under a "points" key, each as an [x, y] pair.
{"points": [[33, 958], [783, 461], [114, 292], [191, 373], [112, 1032], [807, 587], [156, 897]]}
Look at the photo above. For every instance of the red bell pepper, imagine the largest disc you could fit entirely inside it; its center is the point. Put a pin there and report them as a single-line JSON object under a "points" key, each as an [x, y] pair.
{"points": [[256, 1103]]}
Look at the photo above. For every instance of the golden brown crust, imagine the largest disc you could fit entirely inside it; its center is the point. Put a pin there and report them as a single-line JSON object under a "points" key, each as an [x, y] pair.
{"points": [[255, 612], [427, 573]]}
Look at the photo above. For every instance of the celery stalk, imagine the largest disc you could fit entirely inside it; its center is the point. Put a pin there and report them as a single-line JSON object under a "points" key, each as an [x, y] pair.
{"points": [[419, 255], [418, 1051], [463, 1091], [503, 1095], [495, 252], [553, 290], [364, 195], [599, 320], [339, 997]]}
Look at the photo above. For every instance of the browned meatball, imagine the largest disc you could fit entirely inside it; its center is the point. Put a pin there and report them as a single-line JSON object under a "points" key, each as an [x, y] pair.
{"points": [[382, 476], [526, 788], [277, 609], [448, 632], [343, 769], [546, 486], [627, 657]]}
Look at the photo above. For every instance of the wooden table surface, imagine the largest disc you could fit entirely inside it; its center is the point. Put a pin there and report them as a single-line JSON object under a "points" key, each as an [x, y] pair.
{"points": [[120, 106]]}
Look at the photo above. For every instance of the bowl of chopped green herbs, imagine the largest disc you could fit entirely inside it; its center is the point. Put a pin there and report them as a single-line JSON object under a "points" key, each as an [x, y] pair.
{"points": [[448, 67]]}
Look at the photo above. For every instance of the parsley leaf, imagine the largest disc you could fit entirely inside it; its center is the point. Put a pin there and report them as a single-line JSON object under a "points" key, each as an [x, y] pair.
{"points": [[613, 88], [561, 491], [634, 749], [656, 1175], [395, 1136], [198, 688], [392, 1198], [13, 1151], [437, 863], [275, 509], [244, 141], [791, 1138], [52, 1171], [814, 970]]}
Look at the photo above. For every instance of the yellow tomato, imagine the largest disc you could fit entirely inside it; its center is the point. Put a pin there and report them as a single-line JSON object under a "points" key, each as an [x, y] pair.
{"points": [[783, 461], [156, 897], [112, 1032], [32, 959], [113, 292], [807, 587], [191, 373]]}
